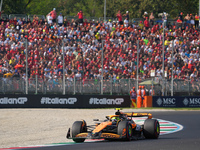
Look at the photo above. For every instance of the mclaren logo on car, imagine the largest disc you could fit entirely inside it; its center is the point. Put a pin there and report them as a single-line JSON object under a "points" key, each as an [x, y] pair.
{"points": [[104, 101], [109, 135]]}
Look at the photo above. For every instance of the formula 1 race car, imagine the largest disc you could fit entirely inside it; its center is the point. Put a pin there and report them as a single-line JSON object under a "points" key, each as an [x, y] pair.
{"points": [[120, 126]]}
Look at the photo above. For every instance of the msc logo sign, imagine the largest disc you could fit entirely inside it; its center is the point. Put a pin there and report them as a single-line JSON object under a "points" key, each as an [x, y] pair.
{"points": [[191, 101], [159, 101], [176, 101], [185, 101], [166, 101]]}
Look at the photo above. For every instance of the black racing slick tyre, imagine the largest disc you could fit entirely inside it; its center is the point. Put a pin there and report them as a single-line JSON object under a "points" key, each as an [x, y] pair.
{"points": [[78, 127], [151, 129], [125, 131]]}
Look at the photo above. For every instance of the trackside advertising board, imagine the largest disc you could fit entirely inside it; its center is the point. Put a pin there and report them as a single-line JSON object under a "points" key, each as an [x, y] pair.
{"points": [[63, 101], [176, 102]]}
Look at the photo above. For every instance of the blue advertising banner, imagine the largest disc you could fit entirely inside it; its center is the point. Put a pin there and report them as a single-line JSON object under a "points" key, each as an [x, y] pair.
{"points": [[176, 101]]}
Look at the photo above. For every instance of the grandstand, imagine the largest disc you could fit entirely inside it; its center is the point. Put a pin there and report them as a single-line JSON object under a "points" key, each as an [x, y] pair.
{"points": [[81, 46]]}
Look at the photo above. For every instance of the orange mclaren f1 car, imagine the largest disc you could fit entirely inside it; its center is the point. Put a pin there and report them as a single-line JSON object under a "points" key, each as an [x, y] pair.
{"points": [[120, 126]]}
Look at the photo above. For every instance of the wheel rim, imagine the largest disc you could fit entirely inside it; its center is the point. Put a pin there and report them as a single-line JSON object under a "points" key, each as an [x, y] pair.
{"points": [[129, 131], [158, 129]]}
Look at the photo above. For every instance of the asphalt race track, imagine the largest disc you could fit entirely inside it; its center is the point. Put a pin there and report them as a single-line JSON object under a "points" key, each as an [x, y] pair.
{"points": [[186, 139]]}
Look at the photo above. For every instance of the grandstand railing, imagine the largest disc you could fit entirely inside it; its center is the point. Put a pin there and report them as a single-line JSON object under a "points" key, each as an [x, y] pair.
{"points": [[18, 16], [136, 20], [93, 86], [39, 16], [159, 20], [107, 19], [5, 16]]}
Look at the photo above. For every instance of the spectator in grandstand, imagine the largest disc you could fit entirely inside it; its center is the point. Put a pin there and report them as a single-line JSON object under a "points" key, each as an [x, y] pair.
{"points": [[151, 18], [109, 24], [119, 16], [187, 19], [180, 16], [192, 20], [65, 22], [179, 22], [196, 20], [53, 15], [126, 24], [141, 25], [146, 23], [60, 19], [144, 15], [80, 16], [126, 15], [49, 19]]}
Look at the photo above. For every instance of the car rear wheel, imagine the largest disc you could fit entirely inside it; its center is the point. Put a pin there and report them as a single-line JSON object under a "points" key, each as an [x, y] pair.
{"points": [[78, 127], [124, 129], [151, 129]]}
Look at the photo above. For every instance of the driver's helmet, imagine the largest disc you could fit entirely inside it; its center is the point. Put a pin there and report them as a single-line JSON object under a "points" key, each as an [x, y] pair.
{"points": [[115, 118]]}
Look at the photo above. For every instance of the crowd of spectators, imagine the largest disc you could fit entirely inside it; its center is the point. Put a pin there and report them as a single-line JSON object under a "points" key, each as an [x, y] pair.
{"points": [[82, 47]]}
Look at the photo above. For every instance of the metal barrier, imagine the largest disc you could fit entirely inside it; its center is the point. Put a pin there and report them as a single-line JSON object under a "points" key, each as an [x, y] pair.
{"points": [[5, 16], [76, 18], [91, 18], [184, 87], [133, 20], [92, 86], [18, 16], [159, 20], [39, 16], [13, 85], [54, 86], [69, 18], [107, 19], [2, 85]]}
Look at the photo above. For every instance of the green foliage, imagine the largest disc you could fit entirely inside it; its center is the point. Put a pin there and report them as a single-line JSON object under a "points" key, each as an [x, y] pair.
{"points": [[95, 8], [188, 6], [42, 7], [15, 6]]}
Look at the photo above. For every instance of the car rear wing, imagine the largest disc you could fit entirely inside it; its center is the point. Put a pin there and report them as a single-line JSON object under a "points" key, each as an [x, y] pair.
{"points": [[149, 115]]}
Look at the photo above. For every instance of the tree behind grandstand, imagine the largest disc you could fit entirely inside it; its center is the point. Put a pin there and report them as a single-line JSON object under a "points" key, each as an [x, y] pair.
{"points": [[95, 8]]}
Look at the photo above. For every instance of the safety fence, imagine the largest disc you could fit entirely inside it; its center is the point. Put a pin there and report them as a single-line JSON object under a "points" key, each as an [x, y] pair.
{"points": [[31, 17], [18, 16], [93, 86], [26, 17]]}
